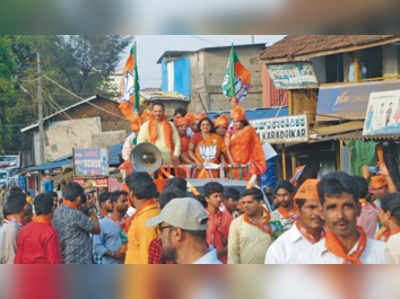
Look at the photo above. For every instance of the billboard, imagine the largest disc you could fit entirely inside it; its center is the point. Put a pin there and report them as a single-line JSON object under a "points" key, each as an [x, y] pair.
{"points": [[383, 114], [91, 162], [349, 101], [293, 75], [287, 129]]}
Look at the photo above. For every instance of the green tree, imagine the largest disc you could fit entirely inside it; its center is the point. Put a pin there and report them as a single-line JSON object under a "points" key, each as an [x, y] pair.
{"points": [[80, 63]]}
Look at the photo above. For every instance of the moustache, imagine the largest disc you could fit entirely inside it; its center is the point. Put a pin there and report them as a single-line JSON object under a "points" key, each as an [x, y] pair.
{"points": [[344, 221]]}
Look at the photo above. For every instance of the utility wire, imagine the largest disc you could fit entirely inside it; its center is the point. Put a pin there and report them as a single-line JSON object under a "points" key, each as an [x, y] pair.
{"points": [[80, 98]]}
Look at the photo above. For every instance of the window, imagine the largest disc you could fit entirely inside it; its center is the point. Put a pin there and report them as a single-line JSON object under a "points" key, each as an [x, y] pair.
{"points": [[371, 63], [334, 68]]}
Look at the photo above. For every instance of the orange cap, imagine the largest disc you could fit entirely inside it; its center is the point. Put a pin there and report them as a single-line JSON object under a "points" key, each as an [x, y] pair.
{"points": [[200, 116], [308, 190], [378, 181], [190, 117], [180, 121], [222, 121], [238, 113]]}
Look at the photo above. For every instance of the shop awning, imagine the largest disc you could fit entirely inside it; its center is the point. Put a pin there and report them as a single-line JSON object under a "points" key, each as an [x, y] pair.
{"points": [[51, 165], [337, 129]]}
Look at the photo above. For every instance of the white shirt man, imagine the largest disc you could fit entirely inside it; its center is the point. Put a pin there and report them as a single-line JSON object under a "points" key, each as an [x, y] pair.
{"points": [[374, 253], [305, 232], [344, 242]]}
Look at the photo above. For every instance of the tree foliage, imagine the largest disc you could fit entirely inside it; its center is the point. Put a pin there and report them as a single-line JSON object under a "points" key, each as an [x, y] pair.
{"points": [[80, 63]]}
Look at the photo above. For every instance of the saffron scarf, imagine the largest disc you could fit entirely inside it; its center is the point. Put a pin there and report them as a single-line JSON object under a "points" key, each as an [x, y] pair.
{"points": [[17, 218], [41, 219], [306, 234], [70, 204], [167, 129], [333, 244], [264, 226], [128, 222], [125, 225], [383, 235], [288, 215]]}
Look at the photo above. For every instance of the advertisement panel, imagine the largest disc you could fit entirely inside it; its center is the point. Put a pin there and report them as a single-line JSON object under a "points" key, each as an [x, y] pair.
{"points": [[383, 114], [287, 129], [91, 162], [349, 101]]}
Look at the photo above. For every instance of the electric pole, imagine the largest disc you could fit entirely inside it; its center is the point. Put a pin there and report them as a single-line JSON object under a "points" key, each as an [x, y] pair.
{"points": [[40, 110]]}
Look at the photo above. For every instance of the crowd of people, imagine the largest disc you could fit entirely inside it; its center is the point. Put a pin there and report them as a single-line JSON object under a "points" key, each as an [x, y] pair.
{"points": [[338, 219]]}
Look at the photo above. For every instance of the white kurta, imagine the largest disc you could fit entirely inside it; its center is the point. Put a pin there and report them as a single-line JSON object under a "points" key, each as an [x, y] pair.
{"points": [[287, 247], [318, 254], [392, 250]]}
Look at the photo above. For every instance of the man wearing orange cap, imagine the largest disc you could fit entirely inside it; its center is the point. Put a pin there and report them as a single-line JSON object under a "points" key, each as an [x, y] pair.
{"points": [[244, 147], [306, 232], [344, 241], [379, 185], [182, 124], [221, 124]]}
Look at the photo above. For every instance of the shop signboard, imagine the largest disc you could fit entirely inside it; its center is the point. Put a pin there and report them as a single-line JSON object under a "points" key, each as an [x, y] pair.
{"points": [[293, 75], [102, 183], [91, 162], [349, 101], [287, 129], [383, 114]]}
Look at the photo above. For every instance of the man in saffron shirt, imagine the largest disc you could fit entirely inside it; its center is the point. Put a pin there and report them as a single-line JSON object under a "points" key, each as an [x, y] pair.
{"points": [[219, 220], [344, 242], [142, 194], [38, 242]]}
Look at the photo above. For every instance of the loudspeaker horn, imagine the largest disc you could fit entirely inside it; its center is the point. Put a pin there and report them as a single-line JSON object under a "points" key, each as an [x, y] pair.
{"points": [[146, 157]]}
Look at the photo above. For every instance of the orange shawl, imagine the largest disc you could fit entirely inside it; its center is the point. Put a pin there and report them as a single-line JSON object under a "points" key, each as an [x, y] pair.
{"points": [[245, 147], [167, 129], [264, 226], [333, 244], [70, 204], [41, 219]]}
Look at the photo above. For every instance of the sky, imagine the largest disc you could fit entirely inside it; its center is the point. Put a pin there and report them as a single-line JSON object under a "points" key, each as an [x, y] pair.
{"points": [[151, 47]]}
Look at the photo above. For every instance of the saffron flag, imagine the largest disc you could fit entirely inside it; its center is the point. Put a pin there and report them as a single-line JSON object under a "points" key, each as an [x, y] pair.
{"points": [[130, 102], [237, 79]]}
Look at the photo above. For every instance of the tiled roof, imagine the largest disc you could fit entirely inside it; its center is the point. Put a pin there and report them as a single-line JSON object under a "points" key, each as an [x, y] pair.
{"points": [[297, 46]]}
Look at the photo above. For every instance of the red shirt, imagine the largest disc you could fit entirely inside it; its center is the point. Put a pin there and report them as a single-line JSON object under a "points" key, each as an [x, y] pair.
{"points": [[156, 253], [218, 231], [38, 243]]}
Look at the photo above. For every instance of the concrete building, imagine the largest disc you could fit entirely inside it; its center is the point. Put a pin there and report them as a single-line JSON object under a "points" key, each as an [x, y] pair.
{"points": [[198, 75], [94, 122]]}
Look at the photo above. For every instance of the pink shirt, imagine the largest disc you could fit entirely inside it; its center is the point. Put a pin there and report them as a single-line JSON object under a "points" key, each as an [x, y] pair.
{"points": [[368, 219]]}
